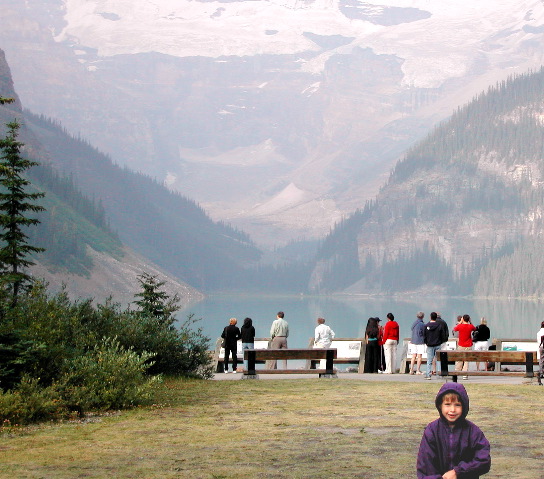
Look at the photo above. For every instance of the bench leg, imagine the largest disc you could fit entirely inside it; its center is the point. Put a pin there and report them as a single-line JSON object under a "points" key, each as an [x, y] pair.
{"points": [[250, 353], [329, 366], [529, 365]]}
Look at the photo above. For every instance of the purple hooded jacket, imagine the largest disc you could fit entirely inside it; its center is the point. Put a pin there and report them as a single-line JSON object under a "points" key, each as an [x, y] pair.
{"points": [[463, 448]]}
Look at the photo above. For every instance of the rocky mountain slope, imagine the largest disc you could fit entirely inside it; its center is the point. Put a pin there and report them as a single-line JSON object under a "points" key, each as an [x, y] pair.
{"points": [[279, 116], [115, 278], [462, 213]]}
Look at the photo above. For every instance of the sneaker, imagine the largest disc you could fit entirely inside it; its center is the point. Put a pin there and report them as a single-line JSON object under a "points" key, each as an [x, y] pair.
{"points": [[428, 378], [234, 372], [412, 372], [419, 372], [226, 371]]}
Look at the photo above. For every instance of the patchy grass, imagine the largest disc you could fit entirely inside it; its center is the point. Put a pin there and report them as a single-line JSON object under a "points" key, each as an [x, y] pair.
{"points": [[306, 428]]}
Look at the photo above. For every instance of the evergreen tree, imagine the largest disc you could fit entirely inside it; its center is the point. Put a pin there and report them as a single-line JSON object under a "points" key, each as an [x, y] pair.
{"points": [[155, 303], [15, 202]]}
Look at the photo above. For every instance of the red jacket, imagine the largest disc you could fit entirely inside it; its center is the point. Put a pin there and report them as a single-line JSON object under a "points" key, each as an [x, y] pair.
{"points": [[390, 331], [465, 334]]}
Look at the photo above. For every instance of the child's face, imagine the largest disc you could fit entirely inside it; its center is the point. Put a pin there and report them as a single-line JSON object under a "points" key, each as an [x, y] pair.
{"points": [[451, 409]]}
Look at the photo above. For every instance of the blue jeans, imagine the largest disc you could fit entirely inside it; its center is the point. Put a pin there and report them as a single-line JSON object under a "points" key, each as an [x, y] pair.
{"points": [[431, 352], [244, 347]]}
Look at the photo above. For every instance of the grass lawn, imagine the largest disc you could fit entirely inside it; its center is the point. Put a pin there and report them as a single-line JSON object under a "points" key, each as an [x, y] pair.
{"points": [[306, 428]]}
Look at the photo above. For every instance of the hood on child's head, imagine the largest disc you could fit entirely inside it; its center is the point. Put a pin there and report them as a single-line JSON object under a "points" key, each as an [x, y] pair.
{"points": [[456, 388]]}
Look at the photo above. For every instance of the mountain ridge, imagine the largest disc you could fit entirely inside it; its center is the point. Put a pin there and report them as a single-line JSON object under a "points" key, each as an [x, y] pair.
{"points": [[456, 207], [336, 111]]}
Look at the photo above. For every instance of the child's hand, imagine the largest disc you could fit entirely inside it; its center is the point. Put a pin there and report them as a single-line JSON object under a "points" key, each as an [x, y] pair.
{"points": [[450, 475]]}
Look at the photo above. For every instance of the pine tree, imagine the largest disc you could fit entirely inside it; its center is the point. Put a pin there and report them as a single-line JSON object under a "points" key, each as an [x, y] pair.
{"points": [[155, 303], [15, 202]]}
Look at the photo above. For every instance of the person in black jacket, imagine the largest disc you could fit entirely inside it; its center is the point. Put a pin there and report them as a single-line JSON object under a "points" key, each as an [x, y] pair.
{"points": [[480, 338], [434, 335], [248, 337], [231, 334]]}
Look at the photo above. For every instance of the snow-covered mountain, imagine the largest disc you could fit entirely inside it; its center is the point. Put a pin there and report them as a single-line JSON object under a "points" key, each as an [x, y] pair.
{"points": [[279, 116]]}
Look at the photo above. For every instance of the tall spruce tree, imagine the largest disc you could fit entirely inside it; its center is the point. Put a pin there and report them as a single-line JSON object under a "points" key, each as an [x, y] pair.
{"points": [[154, 302], [15, 203]]}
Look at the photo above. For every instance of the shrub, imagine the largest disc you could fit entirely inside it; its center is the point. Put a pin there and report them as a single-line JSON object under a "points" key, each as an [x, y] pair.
{"points": [[29, 403], [107, 377], [17, 357]]}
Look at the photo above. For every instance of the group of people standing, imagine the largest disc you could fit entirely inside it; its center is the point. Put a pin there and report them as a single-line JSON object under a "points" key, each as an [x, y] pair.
{"points": [[382, 342], [430, 337], [381, 345], [279, 332], [231, 334]]}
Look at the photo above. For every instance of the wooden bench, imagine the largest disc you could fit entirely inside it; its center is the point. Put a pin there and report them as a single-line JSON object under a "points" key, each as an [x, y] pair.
{"points": [[254, 355], [525, 358], [348, 351]]}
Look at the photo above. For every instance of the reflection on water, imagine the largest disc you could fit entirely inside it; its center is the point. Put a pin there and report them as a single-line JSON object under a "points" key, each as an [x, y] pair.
{"points": [[507, 319]]}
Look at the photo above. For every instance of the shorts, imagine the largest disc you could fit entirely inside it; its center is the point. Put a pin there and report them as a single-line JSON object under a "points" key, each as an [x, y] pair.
{"points": [[417, 349], [481, 346]]}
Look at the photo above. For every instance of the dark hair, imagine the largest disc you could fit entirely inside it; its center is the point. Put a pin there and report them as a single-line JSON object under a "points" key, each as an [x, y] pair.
{"points": [[280, 314], [433, 316], [247, 323], [390, 316], [466, 318], [372, 329]]}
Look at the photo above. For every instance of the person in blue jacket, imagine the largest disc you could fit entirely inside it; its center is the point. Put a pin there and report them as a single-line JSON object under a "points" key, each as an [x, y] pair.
{"points": [[453, 447]]}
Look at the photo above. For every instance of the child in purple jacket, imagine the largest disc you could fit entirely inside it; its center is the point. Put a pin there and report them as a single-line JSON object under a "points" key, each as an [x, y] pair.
{"points": [[453, 447]]}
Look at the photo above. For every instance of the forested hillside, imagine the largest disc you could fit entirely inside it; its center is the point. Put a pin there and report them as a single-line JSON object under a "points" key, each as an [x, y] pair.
{"points": [[90, 201], [69, 224], [169, 229], [462, 211]]}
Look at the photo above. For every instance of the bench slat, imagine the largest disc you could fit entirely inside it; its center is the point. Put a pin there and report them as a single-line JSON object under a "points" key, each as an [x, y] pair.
{"points": [[291, 371], [283, 354], [491, 356], [486, 373], [267, 354]]}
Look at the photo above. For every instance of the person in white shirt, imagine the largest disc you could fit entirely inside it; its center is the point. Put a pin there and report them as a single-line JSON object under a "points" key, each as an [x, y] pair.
{"points": [[323, 337]]}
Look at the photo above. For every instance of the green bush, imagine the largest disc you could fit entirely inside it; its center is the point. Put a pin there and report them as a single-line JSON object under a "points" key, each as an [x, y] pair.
{"points": [[60, 344], [17, 357], [107, 377], [29, 403]]}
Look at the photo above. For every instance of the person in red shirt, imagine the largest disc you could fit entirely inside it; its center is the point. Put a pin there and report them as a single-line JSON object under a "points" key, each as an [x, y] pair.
{"points": [[390, 341], [464, 343]]}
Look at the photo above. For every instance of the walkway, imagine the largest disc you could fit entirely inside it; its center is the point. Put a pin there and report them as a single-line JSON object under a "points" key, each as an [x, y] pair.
{"points": [[386, 378]]}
